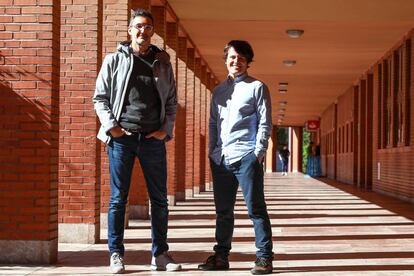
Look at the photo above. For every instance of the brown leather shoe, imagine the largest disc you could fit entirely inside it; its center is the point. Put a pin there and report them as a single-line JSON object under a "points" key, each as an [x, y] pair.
{"points": [[262, 266], [215, 262]]}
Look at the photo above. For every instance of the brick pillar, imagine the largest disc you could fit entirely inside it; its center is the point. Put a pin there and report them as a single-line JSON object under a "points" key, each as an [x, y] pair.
{"points": [[203, 129], [369, 131], [271, 153], [210, 87], [189, 145], [355, 133], [114, 30], [172, 49], [180, 121], [159, 14], [29, 112], [197, 129], [361, 134], [274, 149], [296, 150], [79, 187]]}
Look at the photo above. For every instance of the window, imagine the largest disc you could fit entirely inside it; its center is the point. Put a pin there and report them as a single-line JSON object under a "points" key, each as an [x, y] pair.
{"points": [[352, 137], [386, 101], [407, 95], [339, 139], [394, 98], [379, 108], [343, 139], [397, 98], [347, 138]]}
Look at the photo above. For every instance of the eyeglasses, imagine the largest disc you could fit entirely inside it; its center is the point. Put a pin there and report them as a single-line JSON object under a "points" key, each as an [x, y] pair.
{"points": [[143, 27]]}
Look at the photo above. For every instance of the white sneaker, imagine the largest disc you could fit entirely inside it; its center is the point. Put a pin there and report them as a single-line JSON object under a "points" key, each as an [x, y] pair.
{"points": [[164, 262], [117, 263]]}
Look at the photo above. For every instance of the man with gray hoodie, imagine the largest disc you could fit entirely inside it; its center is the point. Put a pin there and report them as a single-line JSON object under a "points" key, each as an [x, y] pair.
{"points": [[135, 100]]}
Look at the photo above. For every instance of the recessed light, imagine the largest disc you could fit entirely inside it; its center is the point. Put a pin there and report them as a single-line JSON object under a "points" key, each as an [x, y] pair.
{"points": [[295, 33], [289, 62], [282, 103], [281, 110], [283, 84], [283, 91]]}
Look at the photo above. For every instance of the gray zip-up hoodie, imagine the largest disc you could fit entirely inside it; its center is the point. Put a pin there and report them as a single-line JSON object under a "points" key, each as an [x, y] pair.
{"points": [[112, 82]]}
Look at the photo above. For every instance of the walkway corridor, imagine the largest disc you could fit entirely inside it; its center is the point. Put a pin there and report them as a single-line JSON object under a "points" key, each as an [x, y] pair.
{"points": [[319, 228]]}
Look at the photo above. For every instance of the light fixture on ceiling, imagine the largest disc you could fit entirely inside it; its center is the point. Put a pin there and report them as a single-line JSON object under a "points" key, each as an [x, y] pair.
{"points": [[281, 110], [289, 62], [280, 116], [282, 103], [295, 33], [283, 91], [283, 84]]}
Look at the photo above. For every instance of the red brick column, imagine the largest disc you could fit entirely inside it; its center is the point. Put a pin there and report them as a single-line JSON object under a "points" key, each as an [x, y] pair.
{"points": [[210, 87], [203, 129], [160, 26], [271, 153], [134, 4], [114, 31], [172, 49], [197, 127], [79, 186], [189, 109], [29, 110], [180, 122], [296, 142]]}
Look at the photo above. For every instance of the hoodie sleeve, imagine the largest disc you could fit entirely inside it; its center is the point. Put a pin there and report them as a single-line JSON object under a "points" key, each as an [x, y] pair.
{"points": [[102, 96], [170, 105]]}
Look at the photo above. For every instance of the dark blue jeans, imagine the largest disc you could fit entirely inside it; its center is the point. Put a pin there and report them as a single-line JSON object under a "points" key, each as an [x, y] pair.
{"points": [[151, 153], [285, 165], [247, 172]]}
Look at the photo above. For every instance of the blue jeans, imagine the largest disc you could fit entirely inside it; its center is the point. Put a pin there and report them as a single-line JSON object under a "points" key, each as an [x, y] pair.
{"points": [[151, 153], [285, 166], [247, 172]]}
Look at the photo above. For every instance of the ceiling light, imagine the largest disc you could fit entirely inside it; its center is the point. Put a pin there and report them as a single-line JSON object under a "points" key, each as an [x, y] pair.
{"points": [[283, 91], [282, 103], [281, 110], [289, 62], [294, 33], [283, 84], [281, 116]]}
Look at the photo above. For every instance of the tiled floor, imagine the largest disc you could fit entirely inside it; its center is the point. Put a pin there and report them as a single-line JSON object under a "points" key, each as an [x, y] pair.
{"points": [[319, 228]]}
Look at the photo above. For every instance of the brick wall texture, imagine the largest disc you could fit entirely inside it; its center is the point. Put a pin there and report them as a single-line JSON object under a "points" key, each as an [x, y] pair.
{"points": [[53, 169], [361, 142], [29, 112]]}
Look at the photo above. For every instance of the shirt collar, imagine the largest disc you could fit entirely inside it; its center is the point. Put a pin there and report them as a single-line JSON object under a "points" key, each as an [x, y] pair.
{"points": [[237, 79]]}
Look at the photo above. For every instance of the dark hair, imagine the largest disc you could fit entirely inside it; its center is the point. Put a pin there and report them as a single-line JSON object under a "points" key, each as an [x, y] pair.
{"points": [[242, 47], [140, 12]]}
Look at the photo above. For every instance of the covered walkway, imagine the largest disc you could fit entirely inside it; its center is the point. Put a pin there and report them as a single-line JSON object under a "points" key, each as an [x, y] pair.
{"points": [[320, 227]]}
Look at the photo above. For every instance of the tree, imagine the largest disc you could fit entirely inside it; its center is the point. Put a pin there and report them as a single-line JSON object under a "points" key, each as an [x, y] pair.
{"points": [[305, 146]]}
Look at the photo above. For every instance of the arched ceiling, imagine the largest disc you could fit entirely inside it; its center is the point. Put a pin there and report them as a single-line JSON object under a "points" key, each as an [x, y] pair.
{"points": [[342, 40]]}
